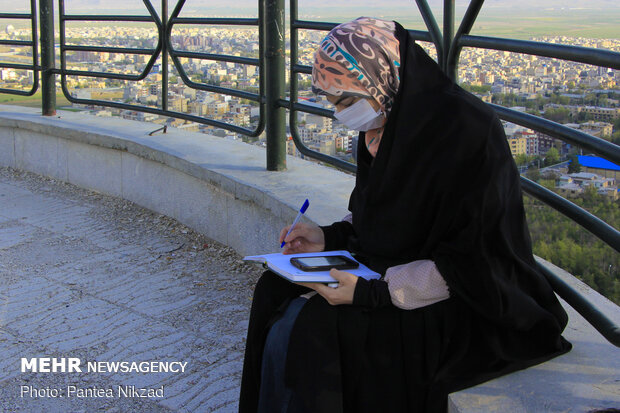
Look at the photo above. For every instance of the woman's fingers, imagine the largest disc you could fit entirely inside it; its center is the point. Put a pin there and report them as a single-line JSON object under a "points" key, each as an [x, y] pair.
{"points": [[303, 238], [343, 294], [320, 288], [297, 232], [343, 277], [292, 247], [283, 233]]}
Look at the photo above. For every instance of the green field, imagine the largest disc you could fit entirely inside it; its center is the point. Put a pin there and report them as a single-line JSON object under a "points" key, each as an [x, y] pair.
{"points": [[596, 25], [33, 101], [505, 22], [589, 24]]}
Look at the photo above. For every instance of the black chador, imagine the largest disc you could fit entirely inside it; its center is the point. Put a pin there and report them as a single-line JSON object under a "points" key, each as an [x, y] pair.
{"points": [[443, 186]]}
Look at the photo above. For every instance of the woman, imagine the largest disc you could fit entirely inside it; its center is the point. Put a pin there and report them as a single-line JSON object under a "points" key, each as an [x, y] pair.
{"points": [[437, 209]]}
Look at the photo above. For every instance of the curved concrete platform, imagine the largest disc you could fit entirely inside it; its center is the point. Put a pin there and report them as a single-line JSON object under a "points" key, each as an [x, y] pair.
{"points": [[218, 187], [88, 276], [221, 189], [586, 379]]}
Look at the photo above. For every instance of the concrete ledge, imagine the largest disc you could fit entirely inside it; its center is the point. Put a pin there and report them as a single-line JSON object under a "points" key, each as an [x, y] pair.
{"points": [[585, 379], [218, 187], [221, 189]]}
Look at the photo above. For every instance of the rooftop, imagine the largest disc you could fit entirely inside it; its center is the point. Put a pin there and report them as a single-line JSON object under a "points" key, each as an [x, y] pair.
{"points": [[597, 162]]}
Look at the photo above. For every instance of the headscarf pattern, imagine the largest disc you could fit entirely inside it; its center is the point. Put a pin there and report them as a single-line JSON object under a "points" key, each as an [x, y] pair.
{"points": [[359, 58]]}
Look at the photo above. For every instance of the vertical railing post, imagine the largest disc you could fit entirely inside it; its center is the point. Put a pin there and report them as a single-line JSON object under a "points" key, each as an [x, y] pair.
{"points": [[275, 84], [465, 27], [48, 78], [433, 29], [448, 36], [164, 56]]}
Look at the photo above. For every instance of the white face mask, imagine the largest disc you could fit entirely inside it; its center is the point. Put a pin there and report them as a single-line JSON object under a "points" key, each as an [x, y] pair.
{"points": [[361, 116]]}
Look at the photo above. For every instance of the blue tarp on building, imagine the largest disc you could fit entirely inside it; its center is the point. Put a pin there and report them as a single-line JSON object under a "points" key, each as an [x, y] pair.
{"points": [[596, 162]]}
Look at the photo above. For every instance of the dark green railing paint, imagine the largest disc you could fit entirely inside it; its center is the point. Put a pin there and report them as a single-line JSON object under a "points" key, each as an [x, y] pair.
{"points": [[48, 59], [33, 43], [274, 56], [165, 49]]}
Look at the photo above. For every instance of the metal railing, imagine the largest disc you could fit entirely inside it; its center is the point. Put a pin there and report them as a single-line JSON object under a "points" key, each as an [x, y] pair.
{"points": [[33, 43], [272, 100], [165, 49]]}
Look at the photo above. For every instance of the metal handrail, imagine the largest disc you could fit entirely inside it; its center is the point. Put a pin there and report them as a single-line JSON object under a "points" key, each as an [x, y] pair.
{"points": [[174, 54], [292, 104], [599, 146], [596, 318], [464, 28], [16, 42], [32, 16], [165, 49], [64, 48], [433, 29], [597, 57]]}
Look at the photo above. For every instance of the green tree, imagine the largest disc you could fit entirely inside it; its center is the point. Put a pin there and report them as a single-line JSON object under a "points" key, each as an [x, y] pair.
{"points": [[540, 102], [553, 157], [559, 99], [533, 174], [584, 117], [566, 244], [574, 166], [560, 115], [476, 89], [548, 183], [591, 196], [591, 99], [521, 159]]}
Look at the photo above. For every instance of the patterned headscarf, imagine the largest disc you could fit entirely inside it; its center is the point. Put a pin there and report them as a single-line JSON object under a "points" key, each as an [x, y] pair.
{"points": [[359, 58]]}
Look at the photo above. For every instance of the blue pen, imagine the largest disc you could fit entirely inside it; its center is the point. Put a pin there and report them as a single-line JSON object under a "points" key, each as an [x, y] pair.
{"points": [[299, 214]]}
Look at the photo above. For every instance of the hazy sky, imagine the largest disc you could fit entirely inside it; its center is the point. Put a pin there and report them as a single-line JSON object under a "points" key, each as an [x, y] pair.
{"points": [[14, 5]]}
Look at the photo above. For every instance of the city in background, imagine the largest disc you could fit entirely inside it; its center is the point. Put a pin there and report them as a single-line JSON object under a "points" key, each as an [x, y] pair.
{"points": [[580, 96]]}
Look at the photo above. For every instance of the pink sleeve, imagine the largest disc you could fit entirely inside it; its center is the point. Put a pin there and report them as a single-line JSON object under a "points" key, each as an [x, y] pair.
{"points": [[416, 284]]}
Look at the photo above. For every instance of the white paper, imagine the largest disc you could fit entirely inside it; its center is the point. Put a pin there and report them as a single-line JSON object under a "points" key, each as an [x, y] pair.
{"points": [[281, 264]]}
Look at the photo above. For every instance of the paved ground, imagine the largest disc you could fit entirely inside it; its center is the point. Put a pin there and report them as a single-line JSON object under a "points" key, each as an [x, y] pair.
{"points": [[98, 278]]}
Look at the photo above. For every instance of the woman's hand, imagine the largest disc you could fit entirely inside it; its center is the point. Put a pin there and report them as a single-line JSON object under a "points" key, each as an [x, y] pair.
{"points": [[343, 294], [303, 238]]}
